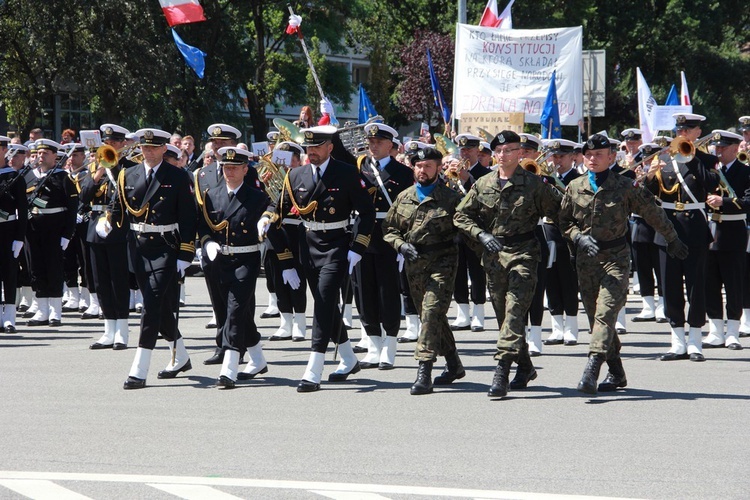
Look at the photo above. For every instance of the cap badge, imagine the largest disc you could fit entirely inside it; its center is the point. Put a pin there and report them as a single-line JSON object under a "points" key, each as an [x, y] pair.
{"points": [[373, 130], [230, 154], [463, 141], [681, 119], [309, 135], [420, 154], [590, 144], [108, 131], [501, 139], [555, 145], [148, 135], [717, 136], [216, 131], [524, 138]]}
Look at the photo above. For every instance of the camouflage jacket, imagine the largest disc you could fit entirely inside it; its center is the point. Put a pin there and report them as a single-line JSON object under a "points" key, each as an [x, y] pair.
{"points": [[426, 225], [509, 210], [604, 214]]}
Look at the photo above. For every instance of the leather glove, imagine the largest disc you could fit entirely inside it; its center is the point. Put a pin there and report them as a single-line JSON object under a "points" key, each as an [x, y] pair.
{"points": [[295, 21], [409, 251], [103, 227], [587, 244], [353, 258], [400, 260], [182, 265], [212, 249], [677, 249], [64, 243], [263, 224], [291, 278], [16, 247], [490, 242]]}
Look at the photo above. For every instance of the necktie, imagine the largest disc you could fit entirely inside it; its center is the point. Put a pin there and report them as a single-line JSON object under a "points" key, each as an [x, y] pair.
{"points": [[231, 195], [318, 175], [149, 177], [724, 169]]}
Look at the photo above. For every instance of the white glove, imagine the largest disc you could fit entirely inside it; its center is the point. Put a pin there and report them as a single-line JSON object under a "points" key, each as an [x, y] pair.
{"points": [[212, 250], [295, 20], [326, 107], [103, 227], [181, 266], [16, 247], [291, 278], [79, 218], [64, 243], [353, 258], [400, 260], [263, 224]]}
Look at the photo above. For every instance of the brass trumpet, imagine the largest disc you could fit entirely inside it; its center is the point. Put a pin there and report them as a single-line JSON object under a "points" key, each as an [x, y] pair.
{"points": [[743, 157], [683, 150]]}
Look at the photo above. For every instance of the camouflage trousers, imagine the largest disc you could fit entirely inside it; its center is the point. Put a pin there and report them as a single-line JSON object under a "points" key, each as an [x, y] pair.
{"points": [[603, 282], [431, 283], [511, 280]]}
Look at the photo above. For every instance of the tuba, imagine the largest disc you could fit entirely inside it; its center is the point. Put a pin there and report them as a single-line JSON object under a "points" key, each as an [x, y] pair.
{"points": [[272, 176], [353, 135], [287, 131]]}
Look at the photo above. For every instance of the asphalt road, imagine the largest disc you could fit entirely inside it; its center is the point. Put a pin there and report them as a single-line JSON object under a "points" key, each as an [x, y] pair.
{"points": [[69, 430]]}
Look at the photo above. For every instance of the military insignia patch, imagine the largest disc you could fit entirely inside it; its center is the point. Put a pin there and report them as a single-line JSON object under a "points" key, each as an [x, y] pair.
{"points": [[216, 131], [230, 154], [681, 119], [108, 131]]}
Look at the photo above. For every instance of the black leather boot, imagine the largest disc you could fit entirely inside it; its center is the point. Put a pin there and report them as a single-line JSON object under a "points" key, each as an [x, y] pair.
{"points": [[615, 377], [499, 388], [423, 384], [525, 371], [453, 371], [591, 374]]}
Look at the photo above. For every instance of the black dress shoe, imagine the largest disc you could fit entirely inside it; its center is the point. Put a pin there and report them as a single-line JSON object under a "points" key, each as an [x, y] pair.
{"points": [[534, 354], [139, 309], [673, 356], [28, 314], [571, 342], [250, 376], [404, 340], [298, 339], [55, 322], [460, 328], [706, 345], [744, 334], [10, 329], [225, 383], [173, 373], [639, 319], [340, 377], [38, 322], [359, 350], [696, 356], [82, 309], [216, 359], [612, 383], [22, 308], [209, 326], [366, 365], [101, 315], [89, 316], [305, 386], [276, 338], [553, 342], [662, 320], [118, 346], [734, 347], [477, 328], [621, 331], [67, 309], [96, 346], [385, 366], [270, 315], [134, 383]]}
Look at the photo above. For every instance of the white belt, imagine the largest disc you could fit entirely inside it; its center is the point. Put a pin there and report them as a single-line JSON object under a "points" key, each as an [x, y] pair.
{"points": [[325, 226], [380, 215], [47, 211], [718, 217], [679, 206], [10, 218], [293, 222], [98, 208], [229, 250], [142, 227]]}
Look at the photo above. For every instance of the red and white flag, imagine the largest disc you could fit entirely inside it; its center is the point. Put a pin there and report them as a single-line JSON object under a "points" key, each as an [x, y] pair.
{"points": [[182, 11], [684, 93], [491, 19]]}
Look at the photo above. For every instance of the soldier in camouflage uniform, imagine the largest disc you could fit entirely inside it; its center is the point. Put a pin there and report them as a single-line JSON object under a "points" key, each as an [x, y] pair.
{"points": [[594, 215], [419, 225], [501, 211]]}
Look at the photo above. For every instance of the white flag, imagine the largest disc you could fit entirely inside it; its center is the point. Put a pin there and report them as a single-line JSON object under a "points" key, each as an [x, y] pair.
{"points": [[646, 108], [506, 21]]}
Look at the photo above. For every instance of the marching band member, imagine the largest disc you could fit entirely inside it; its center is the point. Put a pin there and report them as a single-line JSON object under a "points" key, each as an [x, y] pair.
{"points": [[744, 129], [227, 231], [325, 193], [727, 211], [154, 201]]}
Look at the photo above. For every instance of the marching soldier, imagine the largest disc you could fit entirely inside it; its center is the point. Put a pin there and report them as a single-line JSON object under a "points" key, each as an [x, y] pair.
{"points": [[154, 201], [744, 129], [13, 224], [419, 225], [54, 203], [377, 275], [562, 279], [726, 254], [325, 193], [682, 189], [292, 304], [594, 216], [469, 264], [227, 231], [501, 211], [109, 256]]}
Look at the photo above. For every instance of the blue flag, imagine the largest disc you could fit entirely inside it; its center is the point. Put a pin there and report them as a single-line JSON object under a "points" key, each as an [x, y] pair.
{"points": [[672, 99], [550, 118], [437, 92], [193, 55], [366, 109]]}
